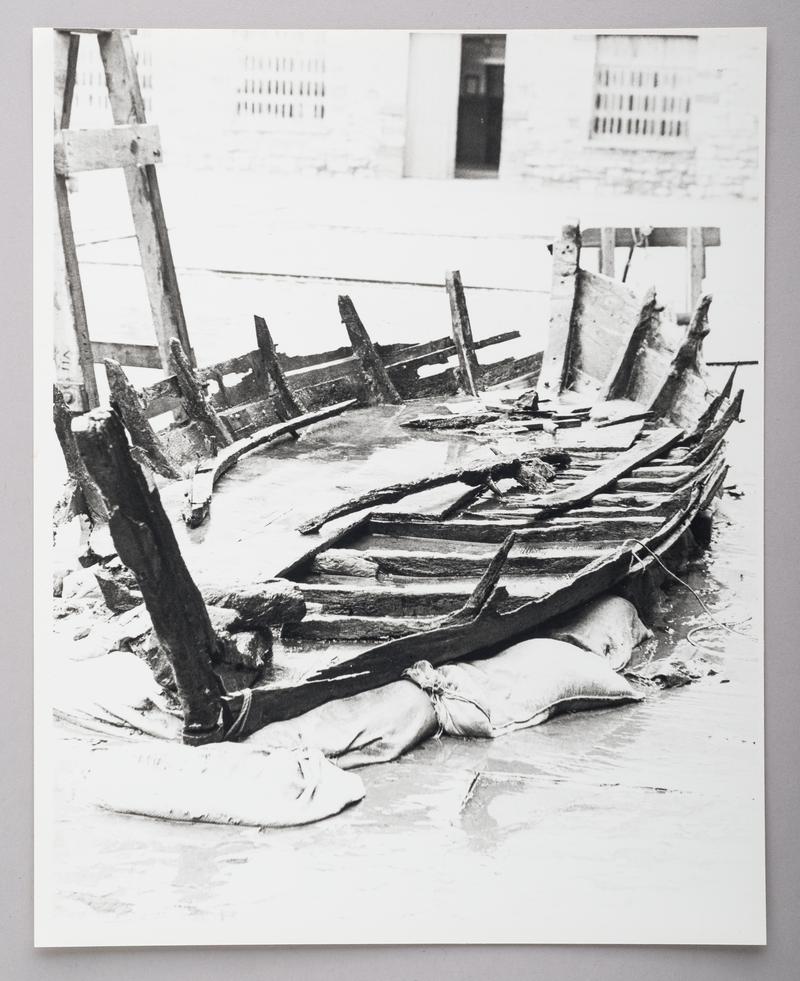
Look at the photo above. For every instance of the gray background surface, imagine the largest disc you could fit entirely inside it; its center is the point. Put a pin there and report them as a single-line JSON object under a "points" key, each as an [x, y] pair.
{"points": [[781, 957]]}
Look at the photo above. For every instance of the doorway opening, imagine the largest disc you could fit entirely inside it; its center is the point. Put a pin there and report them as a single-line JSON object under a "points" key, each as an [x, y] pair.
{"points": [[480, 105]]}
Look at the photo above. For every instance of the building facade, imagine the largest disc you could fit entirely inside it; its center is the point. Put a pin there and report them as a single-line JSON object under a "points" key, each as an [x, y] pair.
{"points": [[648, 114]]}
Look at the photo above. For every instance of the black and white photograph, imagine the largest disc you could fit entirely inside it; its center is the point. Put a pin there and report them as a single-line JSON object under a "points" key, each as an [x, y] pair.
{"points": [[399, 486]]}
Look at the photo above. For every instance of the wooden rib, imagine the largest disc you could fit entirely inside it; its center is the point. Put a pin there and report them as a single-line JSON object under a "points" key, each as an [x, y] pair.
{"points": [[378, 381], [91, 497], [710, 413], [462, 333], [555, 363], [498, 469], [584, 490], [126, 401], [290, 404], [714, 434], [194, 400], [198, 502], [387, 662], [616, 385]]}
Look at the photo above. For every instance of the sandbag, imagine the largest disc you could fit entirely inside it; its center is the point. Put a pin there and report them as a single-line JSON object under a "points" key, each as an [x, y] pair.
{"points": [[372, 727], [523, 686], [222, 783], [608, 626]]}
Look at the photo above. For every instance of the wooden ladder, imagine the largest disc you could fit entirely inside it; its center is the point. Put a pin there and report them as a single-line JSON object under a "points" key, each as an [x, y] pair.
{"points": [[134, 146]]}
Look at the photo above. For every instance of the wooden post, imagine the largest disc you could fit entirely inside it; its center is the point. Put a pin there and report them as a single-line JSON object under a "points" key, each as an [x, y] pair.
{"points": [[697, 264], [125, 399], [608, 241], [127, 106], [146, 544], [72, 347], [290, 404], [379, 384], [684, 360], [95, 508], [193, 397], [462, 333], [555, 363]]}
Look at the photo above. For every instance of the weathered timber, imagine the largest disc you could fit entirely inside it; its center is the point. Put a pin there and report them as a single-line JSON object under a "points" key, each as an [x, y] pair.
{"points": [[290, 403], [125, 399], [386, 662], [411, 561], [616, 386], [710, 413], [583, 490], [555, 363], [658, 237], [77, 150], [89, 500], [198, 501], [462, 333], [684, 361], [378, 381], [127, 107], [557, 530], [146, 544], [263, 604], [607, 246], [473, 476], [326, 626], [715, 433], [451, 421], [480, 595], [195, 401]]}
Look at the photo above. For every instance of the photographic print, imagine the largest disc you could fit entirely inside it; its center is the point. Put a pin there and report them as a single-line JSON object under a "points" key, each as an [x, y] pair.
{"points": [[399, 481]]}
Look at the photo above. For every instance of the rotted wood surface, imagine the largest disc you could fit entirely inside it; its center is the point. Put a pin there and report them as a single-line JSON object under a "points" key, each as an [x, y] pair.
{"points": [[524, 472], [90, 496], [682, 391], [290, 403], [146, 544], [195, 401], [378, 381], [386, 662], [462, 333], [616, 386], [125, 399]]}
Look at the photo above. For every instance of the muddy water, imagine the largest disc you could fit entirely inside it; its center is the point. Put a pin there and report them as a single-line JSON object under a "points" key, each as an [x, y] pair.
{"points": [[642, 823]]}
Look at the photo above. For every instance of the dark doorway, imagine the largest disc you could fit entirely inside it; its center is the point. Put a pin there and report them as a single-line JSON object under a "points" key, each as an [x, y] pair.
{"points": [[480, 105]]}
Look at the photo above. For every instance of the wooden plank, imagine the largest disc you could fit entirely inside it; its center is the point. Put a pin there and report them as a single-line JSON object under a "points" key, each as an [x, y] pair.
{"points": [[290, 404], [398, 561], [125, 399], [658, 237], [146, 544], [92, 501], [386, 662], [584, 490], [127, 106], [478, 475], [74, 366], [379, 383], [462, 333], [555, 362], [715, 433], [78, 150], [128, 355], [711, 411], [193, 397], [473, 530], [198, 502], [608, 243], [682, 390]]}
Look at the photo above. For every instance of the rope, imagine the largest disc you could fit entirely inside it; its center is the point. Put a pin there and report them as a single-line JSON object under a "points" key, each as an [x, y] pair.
{"points": [[239, 722], [677, 578]]}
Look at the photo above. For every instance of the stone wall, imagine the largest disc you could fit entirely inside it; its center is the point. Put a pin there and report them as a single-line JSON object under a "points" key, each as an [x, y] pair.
{"points": [[547, 117]]}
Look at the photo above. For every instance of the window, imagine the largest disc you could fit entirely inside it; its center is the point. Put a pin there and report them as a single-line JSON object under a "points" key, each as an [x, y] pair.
{"points": [[643, 88], [282, 80]]}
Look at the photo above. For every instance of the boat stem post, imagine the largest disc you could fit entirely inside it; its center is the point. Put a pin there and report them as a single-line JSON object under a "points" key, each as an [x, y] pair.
{"points": [[290, 405], [146, 544]]}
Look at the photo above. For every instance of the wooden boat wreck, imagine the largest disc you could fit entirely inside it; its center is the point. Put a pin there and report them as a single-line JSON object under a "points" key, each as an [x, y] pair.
{"points": [[584, 466]]}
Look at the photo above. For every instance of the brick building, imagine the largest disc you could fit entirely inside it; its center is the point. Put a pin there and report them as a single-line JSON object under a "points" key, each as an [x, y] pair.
{"points": [[649, 114]]}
